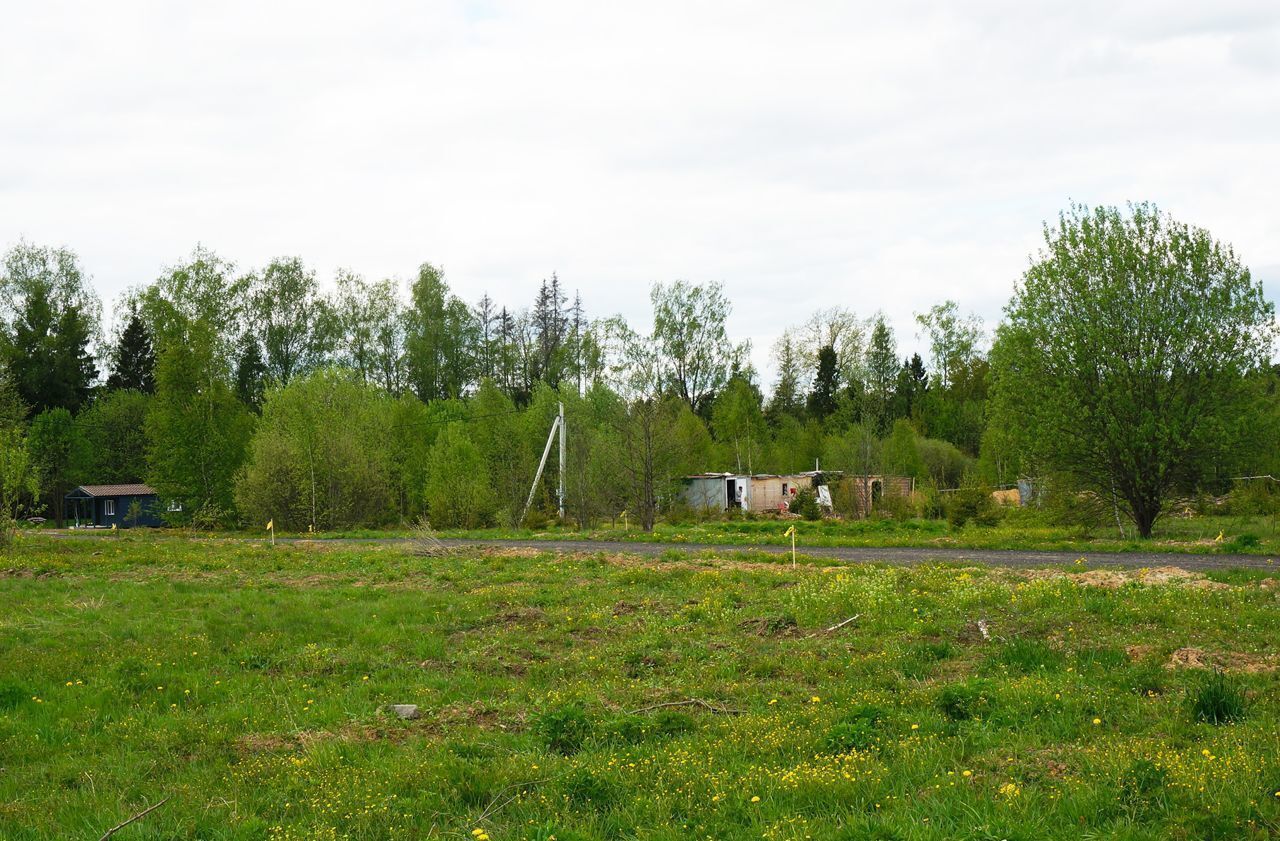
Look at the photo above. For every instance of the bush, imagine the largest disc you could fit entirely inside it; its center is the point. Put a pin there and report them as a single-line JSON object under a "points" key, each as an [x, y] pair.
{"points": [[564, 729], [1215, 700], [1243, 542], [972, 504], [855, 731], [964, 701], [459, 492], [806, 505], [633, 729]]}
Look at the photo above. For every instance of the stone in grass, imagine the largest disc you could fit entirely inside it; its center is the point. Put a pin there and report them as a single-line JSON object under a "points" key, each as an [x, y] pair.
{"points": [[405, 711]]}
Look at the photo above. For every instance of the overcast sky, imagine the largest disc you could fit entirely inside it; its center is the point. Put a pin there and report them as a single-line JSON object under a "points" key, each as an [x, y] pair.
{"points": [[806, 154]]}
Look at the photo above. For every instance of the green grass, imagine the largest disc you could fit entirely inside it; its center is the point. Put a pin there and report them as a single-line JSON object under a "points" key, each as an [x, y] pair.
{"points": [[249, 686]]}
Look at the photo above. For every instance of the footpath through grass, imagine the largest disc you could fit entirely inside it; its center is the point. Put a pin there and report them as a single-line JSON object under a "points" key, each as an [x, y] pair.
{"points": [[249, 685]]}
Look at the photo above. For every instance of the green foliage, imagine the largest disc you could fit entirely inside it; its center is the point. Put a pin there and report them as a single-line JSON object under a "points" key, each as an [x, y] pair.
{"points": [[438, 334], [859, 729], [973, 699], [18, 483], [971, 504], [57, 455], [564, 729], [458, 489], [321, 456], [900, 455], [1151, 409], [805, 503], [1217, 700], [114, 428], [197, 431], [48, 317], [294, 322], [133, 359], [694, 357]]}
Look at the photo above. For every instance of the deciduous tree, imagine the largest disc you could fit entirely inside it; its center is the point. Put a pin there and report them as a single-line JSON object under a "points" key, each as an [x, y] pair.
{"points": [[1126, 355]]}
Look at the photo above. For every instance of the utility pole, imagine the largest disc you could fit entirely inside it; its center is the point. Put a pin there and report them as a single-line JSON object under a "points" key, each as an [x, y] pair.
{"points": [[557, 425], [561, 494]]}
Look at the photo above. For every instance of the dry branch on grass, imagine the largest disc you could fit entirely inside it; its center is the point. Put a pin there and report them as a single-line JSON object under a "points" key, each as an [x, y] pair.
{"points": [[688, 702], [113, 830], [423, 541], [835, 627]]}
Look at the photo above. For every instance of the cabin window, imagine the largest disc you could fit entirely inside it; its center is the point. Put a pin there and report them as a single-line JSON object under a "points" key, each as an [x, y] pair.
{"points": [[108, 507], [784, 488]]}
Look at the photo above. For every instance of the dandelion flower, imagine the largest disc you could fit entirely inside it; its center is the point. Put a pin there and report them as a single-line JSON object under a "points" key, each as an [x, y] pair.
{"points": [[1097, 721], [755, 798], [967, 773]]}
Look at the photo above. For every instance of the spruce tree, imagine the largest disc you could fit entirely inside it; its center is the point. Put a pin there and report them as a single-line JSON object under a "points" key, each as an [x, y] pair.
{"points": [[133, 361]]}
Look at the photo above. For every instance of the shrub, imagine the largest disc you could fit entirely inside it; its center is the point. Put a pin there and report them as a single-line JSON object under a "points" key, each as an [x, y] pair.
{"points": [[806, 505], [1215, 700], [855, 731], [972, 504], [964, 701], [564, 729], [632, 729], [459, 493], [1242, 542]]}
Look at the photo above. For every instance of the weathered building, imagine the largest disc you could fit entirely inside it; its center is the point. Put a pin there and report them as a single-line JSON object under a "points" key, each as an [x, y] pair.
{"points": [[760, 492]]}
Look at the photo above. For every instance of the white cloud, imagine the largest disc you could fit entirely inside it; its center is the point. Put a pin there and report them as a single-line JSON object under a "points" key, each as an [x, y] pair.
{"points": [[879, 157]]}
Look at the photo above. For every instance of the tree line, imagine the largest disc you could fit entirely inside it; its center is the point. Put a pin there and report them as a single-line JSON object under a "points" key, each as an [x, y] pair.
{"points": [[1133, 364]]}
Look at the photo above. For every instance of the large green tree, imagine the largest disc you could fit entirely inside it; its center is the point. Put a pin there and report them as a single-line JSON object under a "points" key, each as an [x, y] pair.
{"points": [[694, 355], [197, 430], [1126, 357], [439, 338], [292, 319], [57, 453], [133, 359], [114, 431], [48, 319]]}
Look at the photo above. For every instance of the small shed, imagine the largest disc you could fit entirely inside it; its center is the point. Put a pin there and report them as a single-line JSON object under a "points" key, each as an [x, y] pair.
{"points": [[102, 506], [866, 491]]}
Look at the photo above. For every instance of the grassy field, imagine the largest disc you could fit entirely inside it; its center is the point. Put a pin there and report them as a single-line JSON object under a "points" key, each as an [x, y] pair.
{"points": [[601, 697]]}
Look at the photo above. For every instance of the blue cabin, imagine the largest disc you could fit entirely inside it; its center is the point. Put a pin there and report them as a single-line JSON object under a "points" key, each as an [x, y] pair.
{"points": [[102, 506]]}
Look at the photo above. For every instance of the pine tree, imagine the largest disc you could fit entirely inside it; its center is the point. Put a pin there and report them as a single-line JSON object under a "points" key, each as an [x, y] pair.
{"points": [[786, 394], [251, 373], [882, 371], [822, 400], [48, 317], [133, 360]]}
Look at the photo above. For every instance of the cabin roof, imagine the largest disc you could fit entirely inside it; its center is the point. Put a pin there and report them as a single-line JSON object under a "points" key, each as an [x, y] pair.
{"points": [[113, 490]]}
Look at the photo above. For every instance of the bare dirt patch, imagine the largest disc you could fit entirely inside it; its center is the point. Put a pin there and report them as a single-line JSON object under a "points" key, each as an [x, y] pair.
{"points": [[1228, 661], [351, 733], [1113, 579]]}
